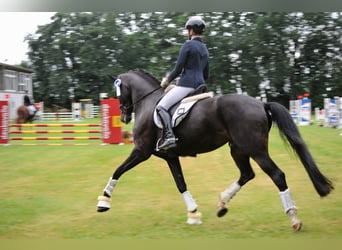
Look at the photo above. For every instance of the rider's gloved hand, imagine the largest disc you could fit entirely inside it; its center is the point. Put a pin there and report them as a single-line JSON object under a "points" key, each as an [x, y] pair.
{"points": [[164, 82]]}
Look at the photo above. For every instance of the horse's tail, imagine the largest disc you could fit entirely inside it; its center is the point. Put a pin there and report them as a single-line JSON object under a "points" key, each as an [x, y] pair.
{"points": [[289, 130]]}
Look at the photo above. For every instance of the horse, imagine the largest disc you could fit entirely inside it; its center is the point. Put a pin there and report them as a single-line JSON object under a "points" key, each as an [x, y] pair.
{"points": [[23, 115], [240, 121]]}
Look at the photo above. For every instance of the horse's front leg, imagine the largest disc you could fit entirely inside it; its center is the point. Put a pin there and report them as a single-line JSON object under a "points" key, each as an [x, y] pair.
{"points": [[194, 217], [246, 174], [137, 156]]}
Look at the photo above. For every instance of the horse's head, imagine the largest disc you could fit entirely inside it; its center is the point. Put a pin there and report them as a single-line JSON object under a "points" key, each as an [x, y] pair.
{"points": [[123, 93], [132, 88]]}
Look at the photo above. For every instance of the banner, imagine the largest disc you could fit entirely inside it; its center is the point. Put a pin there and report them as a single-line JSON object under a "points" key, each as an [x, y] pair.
{"points": [[4, 119], [305, 111], [111, 124], [332, 112]]}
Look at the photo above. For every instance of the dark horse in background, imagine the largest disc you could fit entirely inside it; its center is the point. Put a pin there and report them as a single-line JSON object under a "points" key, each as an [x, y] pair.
{"points": [[241, 122]]}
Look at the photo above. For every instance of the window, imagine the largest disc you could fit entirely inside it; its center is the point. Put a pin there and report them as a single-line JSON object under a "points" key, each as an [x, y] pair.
{"points": [[24, 82], [10, 80]]}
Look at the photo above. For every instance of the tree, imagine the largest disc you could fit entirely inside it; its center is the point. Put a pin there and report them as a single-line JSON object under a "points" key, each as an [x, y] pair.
{"points": [[273, 55], [73, 55], [320, 56]]}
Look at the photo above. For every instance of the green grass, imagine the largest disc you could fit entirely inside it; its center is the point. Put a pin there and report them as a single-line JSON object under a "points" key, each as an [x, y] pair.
{"points": [[51, 192]]}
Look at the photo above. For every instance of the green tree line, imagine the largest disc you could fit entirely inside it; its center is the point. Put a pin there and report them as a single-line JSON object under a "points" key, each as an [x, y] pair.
{"points": [[276, 55]]}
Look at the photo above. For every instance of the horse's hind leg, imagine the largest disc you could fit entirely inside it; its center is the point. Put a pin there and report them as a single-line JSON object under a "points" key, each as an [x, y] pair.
{"points": [[246, 174], [278, 177]]}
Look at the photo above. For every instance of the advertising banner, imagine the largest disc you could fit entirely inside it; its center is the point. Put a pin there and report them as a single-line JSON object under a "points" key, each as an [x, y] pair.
{"points": [[4, 119], [305, 111], [111, 124]]}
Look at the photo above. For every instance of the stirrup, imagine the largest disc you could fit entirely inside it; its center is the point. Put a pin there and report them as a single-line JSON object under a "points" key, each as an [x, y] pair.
{"points": [[166, 144]]}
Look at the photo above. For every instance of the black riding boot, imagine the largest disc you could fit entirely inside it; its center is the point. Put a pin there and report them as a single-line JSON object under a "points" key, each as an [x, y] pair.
{"points": [[168, 139]]}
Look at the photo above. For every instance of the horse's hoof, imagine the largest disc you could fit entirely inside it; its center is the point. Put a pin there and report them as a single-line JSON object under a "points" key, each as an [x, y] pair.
{"points": [[222, 211], [103, 204], [297, 226], [194, 218], [102, 209]]}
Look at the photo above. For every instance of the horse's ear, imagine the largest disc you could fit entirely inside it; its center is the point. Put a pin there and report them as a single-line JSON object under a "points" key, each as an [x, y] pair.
{"points": [[113, 78]]}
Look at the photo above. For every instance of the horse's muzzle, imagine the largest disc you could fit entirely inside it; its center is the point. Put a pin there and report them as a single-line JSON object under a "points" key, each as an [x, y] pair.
{"points": [[126, 118]]}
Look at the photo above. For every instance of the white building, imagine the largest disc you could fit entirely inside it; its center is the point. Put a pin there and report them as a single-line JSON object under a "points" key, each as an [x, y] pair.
{"points": [[15, 82]]}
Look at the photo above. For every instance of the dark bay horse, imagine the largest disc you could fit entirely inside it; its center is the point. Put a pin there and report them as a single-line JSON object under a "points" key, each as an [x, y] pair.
{"points": [[240, 121]]}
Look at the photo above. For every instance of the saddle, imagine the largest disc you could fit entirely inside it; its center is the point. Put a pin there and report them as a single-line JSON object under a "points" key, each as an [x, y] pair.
{"points": [[181, 109]]}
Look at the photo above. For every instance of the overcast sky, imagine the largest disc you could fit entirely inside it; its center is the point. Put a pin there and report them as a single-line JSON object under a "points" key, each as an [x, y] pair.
{"points": [[14, 26]]}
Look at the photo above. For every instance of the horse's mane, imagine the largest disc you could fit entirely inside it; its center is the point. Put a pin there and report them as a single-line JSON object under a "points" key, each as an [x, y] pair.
{"points": [[146, 75]]}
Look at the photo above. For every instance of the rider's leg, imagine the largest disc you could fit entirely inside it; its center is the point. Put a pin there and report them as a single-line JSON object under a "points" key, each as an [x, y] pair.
{"points": [[172, 97], [32, 109], [168, 137]]}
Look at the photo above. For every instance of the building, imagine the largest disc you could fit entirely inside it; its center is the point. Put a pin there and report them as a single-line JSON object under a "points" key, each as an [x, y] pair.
{"points": [[15, 82]]}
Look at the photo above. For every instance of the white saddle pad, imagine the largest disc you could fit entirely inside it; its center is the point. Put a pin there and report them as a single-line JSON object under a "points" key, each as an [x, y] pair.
{"points": [[182, 110], [180, 113]]}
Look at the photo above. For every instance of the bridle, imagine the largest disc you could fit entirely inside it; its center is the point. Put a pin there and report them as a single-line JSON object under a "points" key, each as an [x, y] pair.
{"points": [[124, 108]]}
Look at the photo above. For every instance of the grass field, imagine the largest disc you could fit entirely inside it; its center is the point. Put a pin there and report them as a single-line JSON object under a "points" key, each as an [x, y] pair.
{"points": [[51, 192]]}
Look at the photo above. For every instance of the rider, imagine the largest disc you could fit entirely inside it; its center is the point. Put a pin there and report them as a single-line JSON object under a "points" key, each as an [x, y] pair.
{"points": [[193, 67], [30, 106]]}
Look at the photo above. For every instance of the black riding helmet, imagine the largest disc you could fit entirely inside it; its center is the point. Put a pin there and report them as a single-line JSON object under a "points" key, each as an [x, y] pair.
{"points": [[196, 23]]}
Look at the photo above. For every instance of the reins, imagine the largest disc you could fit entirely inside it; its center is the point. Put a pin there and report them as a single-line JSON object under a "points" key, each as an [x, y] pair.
{"points": [[141, 98], [117, 85]]}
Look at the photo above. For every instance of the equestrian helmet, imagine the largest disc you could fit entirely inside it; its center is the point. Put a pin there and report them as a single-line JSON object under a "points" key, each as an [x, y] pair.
{"points": [[196, 23]]}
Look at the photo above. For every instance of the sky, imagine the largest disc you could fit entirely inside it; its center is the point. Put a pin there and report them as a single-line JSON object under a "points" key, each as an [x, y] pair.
{"points": [[14, 26]]}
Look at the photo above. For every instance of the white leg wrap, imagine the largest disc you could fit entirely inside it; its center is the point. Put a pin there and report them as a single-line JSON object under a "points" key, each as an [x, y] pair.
{"points": [[228, 194], [194, 218], [110, 186], [292, 213], [103, 202], [189, 201], [287, 200]]}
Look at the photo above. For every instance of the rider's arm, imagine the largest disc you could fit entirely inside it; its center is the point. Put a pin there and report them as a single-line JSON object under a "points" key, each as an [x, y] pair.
{"points": [[180, 63]]}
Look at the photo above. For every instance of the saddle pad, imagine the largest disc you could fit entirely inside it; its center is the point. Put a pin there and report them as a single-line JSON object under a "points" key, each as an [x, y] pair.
{"points": [[179, 114], [183, 109]]}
